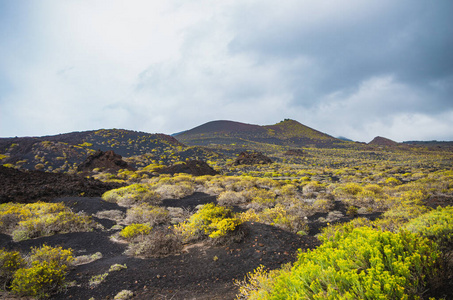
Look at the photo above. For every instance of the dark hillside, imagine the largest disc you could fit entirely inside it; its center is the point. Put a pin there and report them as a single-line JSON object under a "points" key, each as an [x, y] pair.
{"points": [[237, 135], [64, 152], [382, 141], [31, 186]]}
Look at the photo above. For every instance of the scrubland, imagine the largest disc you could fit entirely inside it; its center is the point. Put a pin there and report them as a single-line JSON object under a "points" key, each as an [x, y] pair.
{"points": [[384, 218]]}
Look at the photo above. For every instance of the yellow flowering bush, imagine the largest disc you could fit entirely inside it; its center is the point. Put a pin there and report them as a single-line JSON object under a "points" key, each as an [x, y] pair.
{"points": [[44, 272], [132, 194], [134, 230], [358, 263], [25, 221], [436, 225], [10, 262], [211, 220]]}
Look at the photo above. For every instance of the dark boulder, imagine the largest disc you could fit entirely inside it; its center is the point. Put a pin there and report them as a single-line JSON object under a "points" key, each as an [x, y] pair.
{"points": [[108, 160]]}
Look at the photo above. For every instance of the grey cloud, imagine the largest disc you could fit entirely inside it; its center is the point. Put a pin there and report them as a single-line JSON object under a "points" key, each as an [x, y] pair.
{"points": [[410, 40]]}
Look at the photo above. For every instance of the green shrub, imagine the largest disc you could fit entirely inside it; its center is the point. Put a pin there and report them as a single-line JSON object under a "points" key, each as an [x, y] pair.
{"points": [[391, 181], [49, 224], [54, 255], [38, 280], [211, 220], [134, 230], [358, 263], [10, 262], [132, 194], [436, 225], [25, 221], [45, 273], [350, 188]]}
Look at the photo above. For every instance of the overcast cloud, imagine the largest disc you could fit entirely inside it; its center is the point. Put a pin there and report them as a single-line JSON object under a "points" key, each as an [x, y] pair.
{"points": [[348, 68]]}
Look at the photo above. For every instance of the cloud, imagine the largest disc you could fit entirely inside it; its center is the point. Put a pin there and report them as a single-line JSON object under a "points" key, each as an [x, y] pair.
{"points": [[350, 68]]}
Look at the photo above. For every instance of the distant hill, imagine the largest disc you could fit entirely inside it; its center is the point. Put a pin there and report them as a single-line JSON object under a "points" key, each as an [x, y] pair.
{"points": [[65, 152], [382, 141], [235, 134]]}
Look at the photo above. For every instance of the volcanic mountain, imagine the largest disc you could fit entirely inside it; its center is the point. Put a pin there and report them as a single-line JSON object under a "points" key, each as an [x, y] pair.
{"points": [[64, 152], [382, 141], [286, 133]]}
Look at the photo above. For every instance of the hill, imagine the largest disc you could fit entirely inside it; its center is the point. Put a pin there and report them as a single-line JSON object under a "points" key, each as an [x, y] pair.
{"points": [[382, 141], [65, 152], [235, 135]]}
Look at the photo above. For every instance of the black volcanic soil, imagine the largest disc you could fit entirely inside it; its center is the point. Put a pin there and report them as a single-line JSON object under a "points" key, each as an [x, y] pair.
{"points": [[194, 167], [31, 186], [202, 271]]}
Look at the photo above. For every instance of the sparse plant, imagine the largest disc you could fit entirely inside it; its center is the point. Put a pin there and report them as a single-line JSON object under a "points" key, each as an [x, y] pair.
{"points": [[145, 213], [158, 243], [117, 267], [124, 295], [97, 279]]}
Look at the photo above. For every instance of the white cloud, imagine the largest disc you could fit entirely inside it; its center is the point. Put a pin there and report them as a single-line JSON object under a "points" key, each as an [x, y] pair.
{"points": [[347, 68]]}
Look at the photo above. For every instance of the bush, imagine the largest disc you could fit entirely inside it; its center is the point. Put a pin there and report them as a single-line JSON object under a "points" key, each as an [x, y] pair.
{"points": [[134, 230], [49, 224], [436, 225], [229, 198], [10, 262], [360, 263], [278, 216], [323, 205], [45, 273], [54, 255], [210, 221], [349, 189], [27, 221], [158, 243], [132, 194], [145, 213], [176, 191]]}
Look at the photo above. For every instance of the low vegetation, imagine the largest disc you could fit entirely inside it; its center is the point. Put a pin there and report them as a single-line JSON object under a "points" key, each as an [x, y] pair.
{"points": [[383, 234], [360, 263], [38, 275], [26, 221]]}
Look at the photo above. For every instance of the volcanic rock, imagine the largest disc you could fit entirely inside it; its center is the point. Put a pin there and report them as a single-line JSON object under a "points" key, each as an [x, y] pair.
{"points": [[31, 186], [108, 160], [252, 158], [194, 167]]}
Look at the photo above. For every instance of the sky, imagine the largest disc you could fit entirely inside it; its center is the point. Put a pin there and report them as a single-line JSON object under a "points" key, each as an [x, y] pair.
{"points": [[351, 68]]}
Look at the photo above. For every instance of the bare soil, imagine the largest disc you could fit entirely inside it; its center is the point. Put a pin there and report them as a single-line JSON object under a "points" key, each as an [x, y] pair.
{"points": [[202, 271]]}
